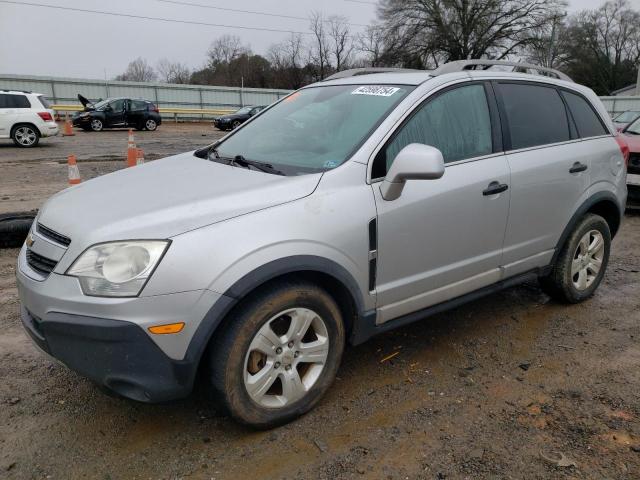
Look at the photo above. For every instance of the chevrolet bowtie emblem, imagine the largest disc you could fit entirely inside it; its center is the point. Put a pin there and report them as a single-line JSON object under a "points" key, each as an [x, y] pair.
{"points": [[30, 241]]}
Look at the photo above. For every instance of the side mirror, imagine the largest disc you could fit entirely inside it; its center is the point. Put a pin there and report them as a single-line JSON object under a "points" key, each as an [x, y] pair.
{"points": [[414, 162]]}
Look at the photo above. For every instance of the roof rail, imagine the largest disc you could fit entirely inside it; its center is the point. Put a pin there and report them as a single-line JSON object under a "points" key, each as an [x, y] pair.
{"points": [[354, 72], [461, 65]]}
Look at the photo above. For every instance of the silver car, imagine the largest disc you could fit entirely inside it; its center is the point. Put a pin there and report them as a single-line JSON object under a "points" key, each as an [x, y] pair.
{"points": [[350, 207]]}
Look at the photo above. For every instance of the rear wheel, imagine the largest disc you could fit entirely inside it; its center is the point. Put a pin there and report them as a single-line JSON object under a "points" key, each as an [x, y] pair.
{"points": [[150, 125], [582, 262], [25, 136], [278, 354]]}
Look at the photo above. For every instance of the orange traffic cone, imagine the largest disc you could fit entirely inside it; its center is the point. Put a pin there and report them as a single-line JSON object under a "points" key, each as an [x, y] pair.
{"points": [[139, 156], [68, 128], [74, 173], [132, 154]]}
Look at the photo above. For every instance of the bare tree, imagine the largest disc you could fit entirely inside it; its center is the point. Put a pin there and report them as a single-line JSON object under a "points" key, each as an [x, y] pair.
{"points": [[225, 49], [319, 52], [173, 72], [548, 45], [340, 40], [138, 71], [371, 44], [427, 32], [603, 46]]}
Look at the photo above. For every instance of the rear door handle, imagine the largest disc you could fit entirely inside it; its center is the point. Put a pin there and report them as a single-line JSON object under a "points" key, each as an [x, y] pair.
{"points": [[578, 167], [494, 188]]}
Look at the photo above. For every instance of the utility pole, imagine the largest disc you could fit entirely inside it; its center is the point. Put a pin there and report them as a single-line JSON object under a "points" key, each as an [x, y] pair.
{"points": [[638, 82]]}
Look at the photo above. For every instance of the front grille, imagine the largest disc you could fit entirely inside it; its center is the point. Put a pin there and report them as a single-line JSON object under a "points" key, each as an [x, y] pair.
{"points": [[40, 264], [634, 164], [55, 236]]}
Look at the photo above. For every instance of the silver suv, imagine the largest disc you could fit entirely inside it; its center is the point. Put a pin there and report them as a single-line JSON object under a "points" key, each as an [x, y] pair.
{"points": [[350, 207]]}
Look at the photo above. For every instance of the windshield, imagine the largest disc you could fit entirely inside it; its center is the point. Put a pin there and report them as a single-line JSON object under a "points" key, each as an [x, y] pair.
{"points": [[626, 117], [634, 128], [314, 129], [244, 111], [102, 104]]}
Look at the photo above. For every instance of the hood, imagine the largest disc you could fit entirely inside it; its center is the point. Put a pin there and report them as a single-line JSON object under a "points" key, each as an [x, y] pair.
{"points": [[166, 197], [633, 141], [87, 104]]}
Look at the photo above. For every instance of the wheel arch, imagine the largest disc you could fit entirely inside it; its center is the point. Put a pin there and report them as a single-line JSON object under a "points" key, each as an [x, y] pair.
{"points": [[29, 124], [324, 272], [604, 204]]}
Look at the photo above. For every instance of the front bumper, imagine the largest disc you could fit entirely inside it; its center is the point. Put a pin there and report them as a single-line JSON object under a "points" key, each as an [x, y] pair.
{"points": [[116, 354], [107, 339]]}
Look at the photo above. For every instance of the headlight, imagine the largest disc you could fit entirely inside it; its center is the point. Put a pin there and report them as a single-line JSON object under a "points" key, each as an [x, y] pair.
{"points": [[86, 114], [117, 269]]}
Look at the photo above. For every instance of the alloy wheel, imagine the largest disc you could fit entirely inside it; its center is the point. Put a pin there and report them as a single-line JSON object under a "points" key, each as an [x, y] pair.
{"points": [[150, 125], [25, 136], [286, 357], [587, 260]]}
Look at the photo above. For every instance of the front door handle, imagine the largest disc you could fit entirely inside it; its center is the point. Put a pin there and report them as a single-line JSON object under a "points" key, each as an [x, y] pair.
{"points": [[494, 188], [578, 167]]}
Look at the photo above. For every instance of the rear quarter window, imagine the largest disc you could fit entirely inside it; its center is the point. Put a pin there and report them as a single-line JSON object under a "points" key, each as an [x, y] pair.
{"points": [[44, 101], [536, 115], [587, 120]]}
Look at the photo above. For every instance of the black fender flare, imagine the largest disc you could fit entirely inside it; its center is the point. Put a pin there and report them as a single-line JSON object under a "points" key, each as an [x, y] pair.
{"points": [[234, 294], [579, 213]]}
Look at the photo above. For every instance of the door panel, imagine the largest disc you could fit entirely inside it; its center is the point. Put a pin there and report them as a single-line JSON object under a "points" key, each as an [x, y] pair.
{"points": [[544, 196], [441, 238], [116, 116]]}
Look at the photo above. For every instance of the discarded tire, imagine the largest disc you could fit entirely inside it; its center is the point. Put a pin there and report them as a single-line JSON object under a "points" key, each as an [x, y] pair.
{"points": [[14, 228]]}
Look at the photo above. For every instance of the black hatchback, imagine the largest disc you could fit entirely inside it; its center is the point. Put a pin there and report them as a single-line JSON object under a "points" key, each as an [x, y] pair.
{"points": [[234, 120], [117, 113]]}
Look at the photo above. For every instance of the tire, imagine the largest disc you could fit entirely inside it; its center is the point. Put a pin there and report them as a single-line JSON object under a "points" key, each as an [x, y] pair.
{"points": [[574, 277], [25, 136], [150, 124], [292, 386], [14, 228], [97, 125], [235, 124]]}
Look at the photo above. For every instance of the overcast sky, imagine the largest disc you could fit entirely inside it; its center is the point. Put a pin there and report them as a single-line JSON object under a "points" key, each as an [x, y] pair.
{"points": [[43, 41]]}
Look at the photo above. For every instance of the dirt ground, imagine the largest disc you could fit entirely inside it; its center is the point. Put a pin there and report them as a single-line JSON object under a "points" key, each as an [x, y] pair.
{"points": [[513, 386], [28, 176]]}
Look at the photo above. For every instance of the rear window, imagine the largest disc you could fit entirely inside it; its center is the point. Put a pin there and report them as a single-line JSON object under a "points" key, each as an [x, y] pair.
{"points": [[536, 115], [14, 101], [587, 121], [43, 100]]}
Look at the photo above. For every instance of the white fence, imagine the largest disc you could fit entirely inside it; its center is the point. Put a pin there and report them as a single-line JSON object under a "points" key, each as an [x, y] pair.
{"points": [[617, 105], [65, 91]]}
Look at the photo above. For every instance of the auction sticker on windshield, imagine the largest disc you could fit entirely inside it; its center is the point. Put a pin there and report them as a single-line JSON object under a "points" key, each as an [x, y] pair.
{"points": [[376, 90]]}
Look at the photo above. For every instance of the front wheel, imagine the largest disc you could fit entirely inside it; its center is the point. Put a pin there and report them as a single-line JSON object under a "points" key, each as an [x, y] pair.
{"points": [[96, 125], [582, 262], [278, 354]]}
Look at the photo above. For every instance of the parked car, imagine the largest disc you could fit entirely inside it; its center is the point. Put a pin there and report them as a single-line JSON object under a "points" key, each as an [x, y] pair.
{"points": [[25, 117], [388, 197], [117, 113], [632, 137], [625, 118], [234, 120]]}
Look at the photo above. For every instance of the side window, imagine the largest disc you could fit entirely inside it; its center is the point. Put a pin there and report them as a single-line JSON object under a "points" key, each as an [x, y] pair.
{"points": [[4, 103], [137, 105], [587, 120], [117, 105], [456, 122], [536, 115]]}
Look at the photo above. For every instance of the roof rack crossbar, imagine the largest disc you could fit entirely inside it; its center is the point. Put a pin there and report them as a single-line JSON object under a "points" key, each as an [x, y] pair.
{"points": [[461, 65], [354, 72]]}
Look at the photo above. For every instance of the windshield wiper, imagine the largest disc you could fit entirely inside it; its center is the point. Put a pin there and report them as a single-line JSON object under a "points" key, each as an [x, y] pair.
{"points": [[262, 166]]}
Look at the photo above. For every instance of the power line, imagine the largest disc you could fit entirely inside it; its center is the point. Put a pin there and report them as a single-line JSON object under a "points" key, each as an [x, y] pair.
{"points": [[253, 12], [158, 19]]}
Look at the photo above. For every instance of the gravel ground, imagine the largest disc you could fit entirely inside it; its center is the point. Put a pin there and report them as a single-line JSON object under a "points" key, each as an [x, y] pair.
{"points": [[31, 175], [513, 386], [500, 388]]}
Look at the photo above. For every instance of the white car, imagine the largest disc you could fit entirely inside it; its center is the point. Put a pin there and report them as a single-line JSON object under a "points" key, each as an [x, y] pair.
{"points": [[25, 117]]}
